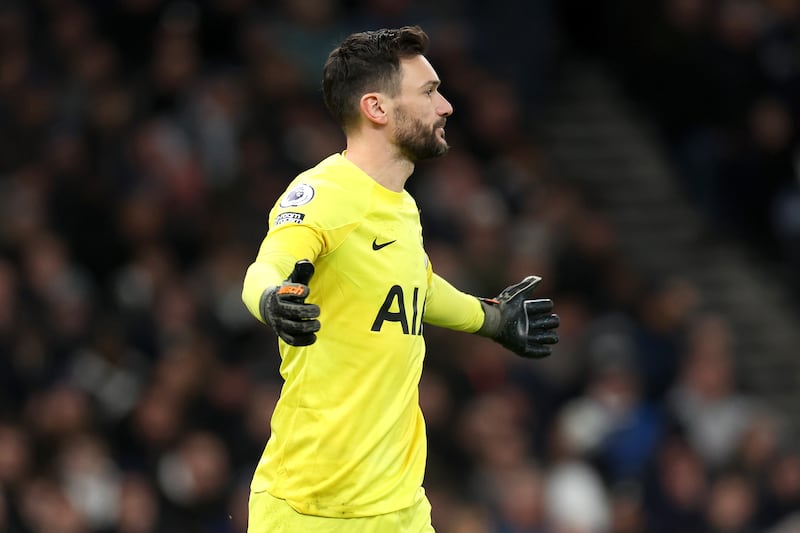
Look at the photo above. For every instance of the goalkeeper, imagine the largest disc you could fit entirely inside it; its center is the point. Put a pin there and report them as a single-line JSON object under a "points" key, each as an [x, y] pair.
{"points": [[343, 278]]}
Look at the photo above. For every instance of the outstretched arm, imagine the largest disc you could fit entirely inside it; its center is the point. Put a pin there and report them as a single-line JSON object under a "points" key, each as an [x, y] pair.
{"points": [[448, 307], [276, 259], [276, 284], [514, 319]]}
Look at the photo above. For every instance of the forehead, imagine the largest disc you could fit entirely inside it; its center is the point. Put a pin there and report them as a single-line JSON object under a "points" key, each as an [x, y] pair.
{"points": [[416, 72]]}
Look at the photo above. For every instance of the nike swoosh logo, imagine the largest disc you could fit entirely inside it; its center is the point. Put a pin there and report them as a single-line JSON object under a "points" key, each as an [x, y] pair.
{"points": [[376, 246]]}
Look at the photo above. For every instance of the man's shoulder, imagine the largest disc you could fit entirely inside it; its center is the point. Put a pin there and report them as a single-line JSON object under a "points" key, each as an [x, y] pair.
{"points": [[327, 193], [332, 180]]}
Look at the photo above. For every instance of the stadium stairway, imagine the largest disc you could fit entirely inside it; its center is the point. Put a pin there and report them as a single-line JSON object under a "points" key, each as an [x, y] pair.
{"points": [[592, 134]]}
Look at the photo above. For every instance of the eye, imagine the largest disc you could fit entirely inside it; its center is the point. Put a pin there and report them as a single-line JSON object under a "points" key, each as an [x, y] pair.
{"points": [[430, 91]]}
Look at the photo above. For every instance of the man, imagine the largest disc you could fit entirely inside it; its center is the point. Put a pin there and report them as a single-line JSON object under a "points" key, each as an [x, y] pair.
{"points": [[344, 280]]}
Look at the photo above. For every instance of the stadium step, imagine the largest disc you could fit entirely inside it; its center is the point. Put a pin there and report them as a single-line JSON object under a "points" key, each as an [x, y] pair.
{"points": [[593, 135]]}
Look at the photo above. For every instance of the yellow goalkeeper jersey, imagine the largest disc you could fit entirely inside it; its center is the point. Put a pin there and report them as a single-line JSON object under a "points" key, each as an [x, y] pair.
{"points": [[347, 434]]}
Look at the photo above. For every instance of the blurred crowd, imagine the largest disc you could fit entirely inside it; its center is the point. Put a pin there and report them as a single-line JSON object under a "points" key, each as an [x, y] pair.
{"points": [[142, 143], [722, 80]]}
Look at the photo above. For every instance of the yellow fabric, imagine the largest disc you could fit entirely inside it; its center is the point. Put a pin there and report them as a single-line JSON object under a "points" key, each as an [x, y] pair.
{"points": [[348, 436], [269, 514], [276, 258], [450, 308]]}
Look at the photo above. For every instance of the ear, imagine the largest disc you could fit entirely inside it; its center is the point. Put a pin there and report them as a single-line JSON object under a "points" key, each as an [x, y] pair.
{"points": [[373, 107]]}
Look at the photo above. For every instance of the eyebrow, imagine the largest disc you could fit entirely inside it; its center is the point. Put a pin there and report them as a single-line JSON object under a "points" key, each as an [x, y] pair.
{"points": [[432, 84]]}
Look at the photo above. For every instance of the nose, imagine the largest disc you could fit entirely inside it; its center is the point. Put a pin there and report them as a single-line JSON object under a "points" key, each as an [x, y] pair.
{"points": [[445, 108]]}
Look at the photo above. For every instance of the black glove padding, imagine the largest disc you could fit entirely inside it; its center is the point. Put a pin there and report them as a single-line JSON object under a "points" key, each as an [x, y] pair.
{"points": [[523, 325], [284, 307]]}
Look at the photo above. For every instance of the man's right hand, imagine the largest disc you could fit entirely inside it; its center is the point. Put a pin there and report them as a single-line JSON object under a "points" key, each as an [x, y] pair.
{"points": [[285, 310]]}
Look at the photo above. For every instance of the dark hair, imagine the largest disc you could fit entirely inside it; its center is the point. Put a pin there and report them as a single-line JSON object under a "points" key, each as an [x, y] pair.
{"points": [[365, 62]]}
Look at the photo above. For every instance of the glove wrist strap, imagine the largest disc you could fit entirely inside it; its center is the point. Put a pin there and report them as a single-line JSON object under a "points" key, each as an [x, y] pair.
{"points": [[492, 320]]}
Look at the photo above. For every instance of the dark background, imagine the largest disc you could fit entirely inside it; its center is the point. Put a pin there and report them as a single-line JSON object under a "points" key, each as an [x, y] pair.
{"points": [[142, 143]]}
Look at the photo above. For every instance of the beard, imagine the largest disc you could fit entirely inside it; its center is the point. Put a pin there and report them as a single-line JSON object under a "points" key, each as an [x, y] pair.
{"points": [[415, 140]]}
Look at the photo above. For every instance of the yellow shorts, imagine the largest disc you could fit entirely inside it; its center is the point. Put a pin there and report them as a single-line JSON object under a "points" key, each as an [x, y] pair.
{"points": [[273, 515]]}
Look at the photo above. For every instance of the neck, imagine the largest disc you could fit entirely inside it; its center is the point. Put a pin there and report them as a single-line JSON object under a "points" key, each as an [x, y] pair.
{"points": [[381, 162]]}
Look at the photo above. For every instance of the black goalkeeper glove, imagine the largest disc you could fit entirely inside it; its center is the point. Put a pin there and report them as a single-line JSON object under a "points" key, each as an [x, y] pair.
{"points": [[284, 307], [524, 326]]}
